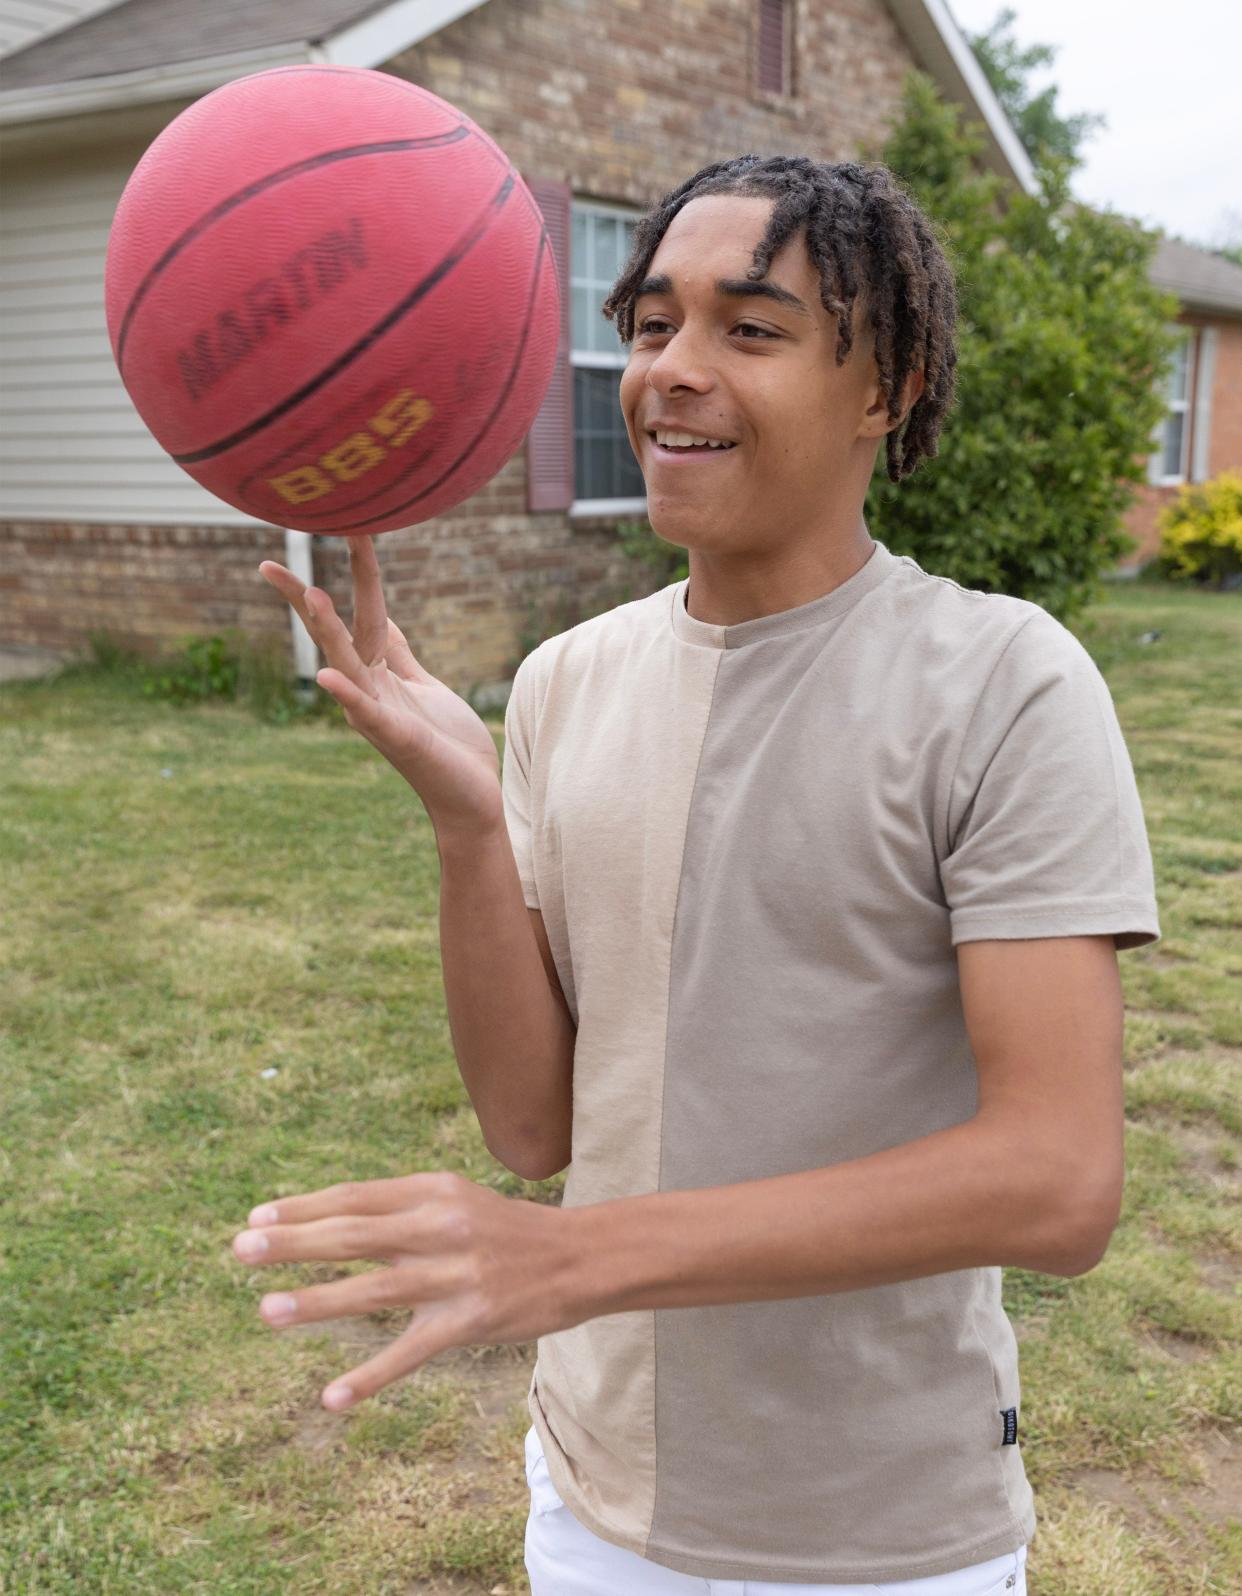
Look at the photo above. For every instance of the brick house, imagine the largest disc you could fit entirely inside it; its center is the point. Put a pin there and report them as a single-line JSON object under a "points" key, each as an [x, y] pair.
{"points": [[1201, 433], [601, 104]]}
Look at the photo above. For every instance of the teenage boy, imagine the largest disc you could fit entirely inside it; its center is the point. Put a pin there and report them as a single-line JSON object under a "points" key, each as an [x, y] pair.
{"points": [[791, 929]]}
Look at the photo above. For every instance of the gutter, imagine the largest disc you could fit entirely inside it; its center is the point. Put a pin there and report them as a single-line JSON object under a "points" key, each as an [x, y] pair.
{"points": [[299, 558]]}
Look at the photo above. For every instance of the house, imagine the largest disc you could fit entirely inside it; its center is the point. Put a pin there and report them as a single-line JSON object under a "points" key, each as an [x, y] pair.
{"points": [[1200, 434], [601, 104]]}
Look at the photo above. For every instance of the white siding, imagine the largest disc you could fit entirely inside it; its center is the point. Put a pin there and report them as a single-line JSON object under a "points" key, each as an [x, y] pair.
{"points": [[24, 21], [72, 446]]}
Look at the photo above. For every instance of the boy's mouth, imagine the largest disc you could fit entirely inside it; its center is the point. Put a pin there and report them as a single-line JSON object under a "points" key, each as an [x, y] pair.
{"points": [[686, 446]]}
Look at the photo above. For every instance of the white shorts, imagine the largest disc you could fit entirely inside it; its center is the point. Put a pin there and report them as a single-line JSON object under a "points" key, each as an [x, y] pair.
{"points": [[564, 1558]]}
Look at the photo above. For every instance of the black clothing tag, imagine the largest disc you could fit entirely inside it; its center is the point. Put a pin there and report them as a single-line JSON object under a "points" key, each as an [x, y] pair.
{"points": [[1010, 1416]]}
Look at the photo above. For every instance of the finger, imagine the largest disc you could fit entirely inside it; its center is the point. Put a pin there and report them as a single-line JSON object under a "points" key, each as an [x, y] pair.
{"points": [[297, 593], [338, 1299], [432, 1331], [365, 711], [370, 637], [288, 585], [375, 1236], [333, 637], [354, 1197], [386, 727]]}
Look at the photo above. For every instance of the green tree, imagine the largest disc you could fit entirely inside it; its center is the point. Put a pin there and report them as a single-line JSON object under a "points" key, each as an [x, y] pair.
{"points": [[1061, 338], [1044, 132]]}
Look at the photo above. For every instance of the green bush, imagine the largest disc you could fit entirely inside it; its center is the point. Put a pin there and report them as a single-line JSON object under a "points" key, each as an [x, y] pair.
{"points": [[207, 668], [225, 666], [1061, 342], [1201, 532]]}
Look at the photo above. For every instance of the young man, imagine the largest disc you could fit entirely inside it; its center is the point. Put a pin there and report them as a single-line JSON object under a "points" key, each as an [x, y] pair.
{"points": [[828, 859]]}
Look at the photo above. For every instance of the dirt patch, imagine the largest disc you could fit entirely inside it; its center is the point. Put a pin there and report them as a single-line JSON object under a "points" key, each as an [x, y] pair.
{"points": [[1191, 1514], [1155, 1034], [484, 1465], [495, 1380], [317, 1429], [1201, 1148], [1222, 1271], [454, 1585], [1186, 1349]]}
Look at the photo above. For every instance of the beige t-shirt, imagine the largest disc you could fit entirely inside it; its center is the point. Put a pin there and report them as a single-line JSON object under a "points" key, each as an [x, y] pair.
{"points": [[755, 848]]}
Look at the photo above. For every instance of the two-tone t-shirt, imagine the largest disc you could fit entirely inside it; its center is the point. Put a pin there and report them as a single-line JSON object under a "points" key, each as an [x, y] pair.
{"points": [[755, 849]]}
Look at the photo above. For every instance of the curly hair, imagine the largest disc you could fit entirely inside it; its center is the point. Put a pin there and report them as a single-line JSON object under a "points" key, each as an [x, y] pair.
{"points": [[863, 230]]}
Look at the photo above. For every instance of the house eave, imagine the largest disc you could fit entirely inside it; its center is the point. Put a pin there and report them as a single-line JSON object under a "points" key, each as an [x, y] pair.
{"points": [[1201, 305], [121, 90], [369, 42]]}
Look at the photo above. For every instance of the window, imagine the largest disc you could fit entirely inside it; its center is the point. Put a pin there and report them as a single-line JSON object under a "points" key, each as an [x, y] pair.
{"points": [[1173, 433], [774, 47], [607, 477]]}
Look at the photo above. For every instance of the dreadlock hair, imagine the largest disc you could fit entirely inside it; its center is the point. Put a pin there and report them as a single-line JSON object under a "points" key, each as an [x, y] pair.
{"points": [[863, 230]]}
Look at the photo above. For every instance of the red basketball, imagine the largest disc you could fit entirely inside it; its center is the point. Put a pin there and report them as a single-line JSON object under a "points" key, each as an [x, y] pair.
{"points": [[332, 299]]}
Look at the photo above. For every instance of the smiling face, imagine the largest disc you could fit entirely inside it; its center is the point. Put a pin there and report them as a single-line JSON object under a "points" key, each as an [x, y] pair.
{"points": [[717, 356]]}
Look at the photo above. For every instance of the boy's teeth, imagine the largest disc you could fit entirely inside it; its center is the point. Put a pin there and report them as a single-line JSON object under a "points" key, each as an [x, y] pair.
{"points": [[687, 440]]}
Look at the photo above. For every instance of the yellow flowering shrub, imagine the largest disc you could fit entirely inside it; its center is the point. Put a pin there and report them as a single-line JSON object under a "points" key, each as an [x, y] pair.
{"points": [[1201, 531]]}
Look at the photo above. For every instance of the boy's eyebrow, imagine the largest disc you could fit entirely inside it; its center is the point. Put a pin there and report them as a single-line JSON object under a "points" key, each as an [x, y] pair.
{"points": [[735, 287]]}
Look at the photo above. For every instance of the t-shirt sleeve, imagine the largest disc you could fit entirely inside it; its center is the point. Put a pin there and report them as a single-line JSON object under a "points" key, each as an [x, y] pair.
{"points": [[515, 774], [1046, 828]]}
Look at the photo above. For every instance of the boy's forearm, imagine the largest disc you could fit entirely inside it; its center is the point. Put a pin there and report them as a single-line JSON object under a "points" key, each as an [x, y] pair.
{"points": [[512, 1033], [960, 1198]]}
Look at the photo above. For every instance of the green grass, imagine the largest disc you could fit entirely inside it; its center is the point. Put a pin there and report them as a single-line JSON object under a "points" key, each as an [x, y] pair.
{"points": [[194, 896]]}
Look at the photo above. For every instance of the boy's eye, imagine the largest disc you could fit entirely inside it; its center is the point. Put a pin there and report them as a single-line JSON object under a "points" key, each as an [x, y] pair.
{"points": [[654, 323]]}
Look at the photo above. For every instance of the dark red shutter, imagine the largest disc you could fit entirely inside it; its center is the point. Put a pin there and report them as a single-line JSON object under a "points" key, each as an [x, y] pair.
{"points": [[550, 441], [772, 45]]}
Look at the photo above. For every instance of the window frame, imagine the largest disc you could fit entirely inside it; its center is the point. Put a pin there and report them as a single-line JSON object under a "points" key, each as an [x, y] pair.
{"points": [[1185, 406], [597, 360]]}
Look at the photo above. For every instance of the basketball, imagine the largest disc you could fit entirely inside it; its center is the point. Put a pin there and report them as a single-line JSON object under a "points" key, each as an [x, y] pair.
{"points": [[332, 299]]}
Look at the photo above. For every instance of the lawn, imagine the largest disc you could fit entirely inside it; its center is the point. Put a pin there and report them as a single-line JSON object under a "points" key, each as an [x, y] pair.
{"points": [[220, 982]]}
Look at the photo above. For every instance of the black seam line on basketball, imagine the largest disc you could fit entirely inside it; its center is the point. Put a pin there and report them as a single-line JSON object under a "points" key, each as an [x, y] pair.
{"points": [[348, 153], [348, 509], [491, 416], [400, 309]]}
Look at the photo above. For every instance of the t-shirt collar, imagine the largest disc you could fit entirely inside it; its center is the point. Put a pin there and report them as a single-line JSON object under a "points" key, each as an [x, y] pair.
{"points": [[827, 607]]}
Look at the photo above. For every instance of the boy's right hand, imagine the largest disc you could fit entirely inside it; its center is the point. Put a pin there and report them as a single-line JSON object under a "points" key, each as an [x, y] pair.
{"points": [[422, 728]]}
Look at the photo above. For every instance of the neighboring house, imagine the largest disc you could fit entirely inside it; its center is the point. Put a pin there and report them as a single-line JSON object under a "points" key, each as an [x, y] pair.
{"points": [[1201, 433], [601, 104]]}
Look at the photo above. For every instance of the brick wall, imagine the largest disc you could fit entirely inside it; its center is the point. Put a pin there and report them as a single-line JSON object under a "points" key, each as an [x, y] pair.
{"points": [[147, 586], [464, 588], [622, 101]]}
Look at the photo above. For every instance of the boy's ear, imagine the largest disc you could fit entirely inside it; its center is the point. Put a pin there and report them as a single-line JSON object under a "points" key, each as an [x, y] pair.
{"points": [[875, 421]]}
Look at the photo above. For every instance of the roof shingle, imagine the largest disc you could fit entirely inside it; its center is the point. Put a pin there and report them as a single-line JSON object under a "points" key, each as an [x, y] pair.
{"points": [[141, 34], [1201, 280]]}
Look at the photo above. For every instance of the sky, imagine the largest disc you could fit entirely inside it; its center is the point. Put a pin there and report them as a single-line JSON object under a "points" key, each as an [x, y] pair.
{"points": [[1167, 78]]}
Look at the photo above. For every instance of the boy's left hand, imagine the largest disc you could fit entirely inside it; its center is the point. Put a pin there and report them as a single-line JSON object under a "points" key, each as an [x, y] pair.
{"points": [[473, 1265]]}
